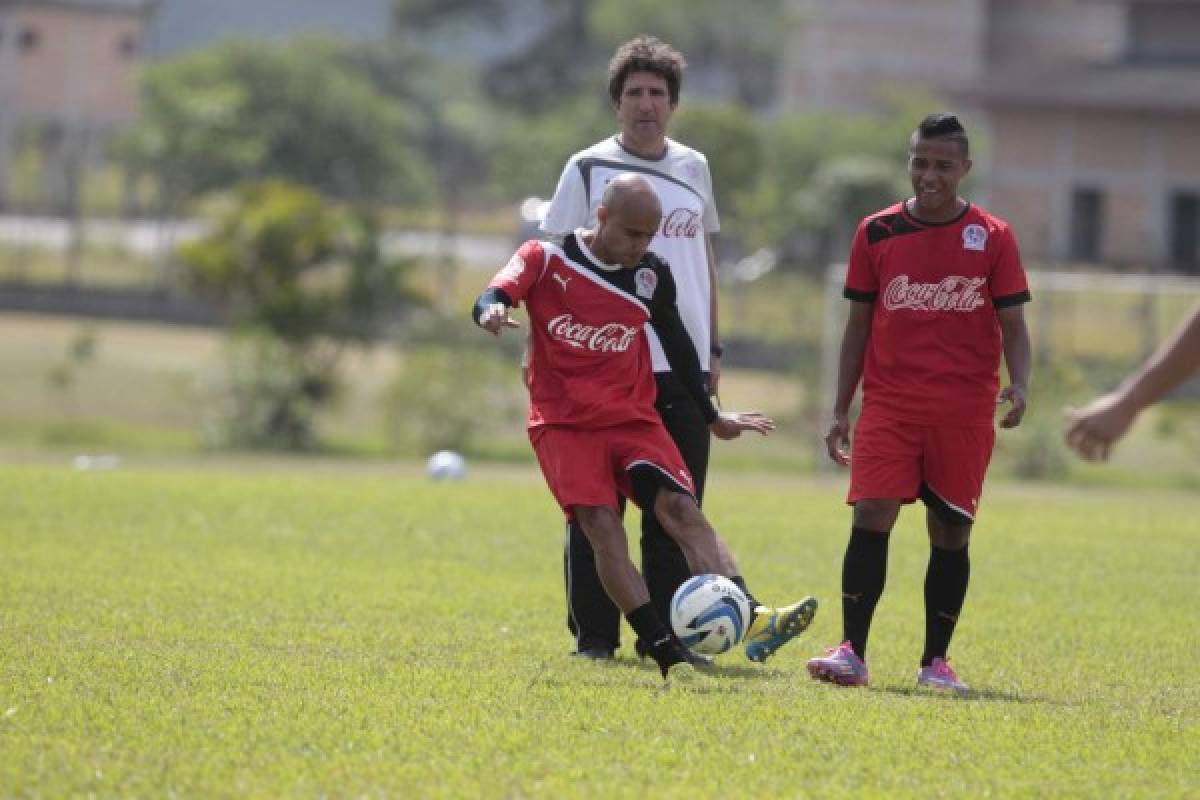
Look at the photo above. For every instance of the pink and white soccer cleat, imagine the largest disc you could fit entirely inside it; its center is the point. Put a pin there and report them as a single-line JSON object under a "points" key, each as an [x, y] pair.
{"points": [[839, 665], [940, 676]]}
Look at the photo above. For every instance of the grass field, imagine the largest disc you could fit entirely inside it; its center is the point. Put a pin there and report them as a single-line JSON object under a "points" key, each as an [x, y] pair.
{"points": [[282, 629]]}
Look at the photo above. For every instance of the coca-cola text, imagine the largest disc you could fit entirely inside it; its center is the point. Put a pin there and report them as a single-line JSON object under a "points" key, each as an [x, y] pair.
{"points": [[681, 222], [952, 293], [612, 337]]}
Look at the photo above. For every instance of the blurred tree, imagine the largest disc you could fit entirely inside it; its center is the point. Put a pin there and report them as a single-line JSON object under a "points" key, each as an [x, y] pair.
{"points": [[302, 279], [558, 63], [826, 172], [732, 138], [527, 152], [297, 111]]}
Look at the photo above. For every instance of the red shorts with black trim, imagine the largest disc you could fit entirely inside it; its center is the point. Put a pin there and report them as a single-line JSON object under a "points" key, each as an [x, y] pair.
{"points": [[592, 467], [944, 465]]}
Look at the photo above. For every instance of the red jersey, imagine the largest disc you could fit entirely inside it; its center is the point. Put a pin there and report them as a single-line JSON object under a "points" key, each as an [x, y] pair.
{"points": [[934, 351], [589, 359]]}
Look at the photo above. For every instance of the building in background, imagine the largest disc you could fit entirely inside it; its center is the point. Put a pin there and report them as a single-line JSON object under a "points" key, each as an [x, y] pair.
{"points": [[1092, 106], [179, 26], [67, 81]]}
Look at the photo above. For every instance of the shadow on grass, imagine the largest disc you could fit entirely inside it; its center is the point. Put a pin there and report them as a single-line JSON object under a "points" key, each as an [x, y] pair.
{"points": [[986, 695], [716, 679]]}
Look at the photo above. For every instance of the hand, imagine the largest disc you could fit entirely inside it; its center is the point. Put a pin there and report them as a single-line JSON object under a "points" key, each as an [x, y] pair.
{"points": [[1094, 429], [1014, 394], [730, 424], [714, 373], [837, 440], [495, 318], [525, 376]]}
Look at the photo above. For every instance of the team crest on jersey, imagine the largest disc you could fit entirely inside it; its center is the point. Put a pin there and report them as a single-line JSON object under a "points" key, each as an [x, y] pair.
{"points": [[646, 282], [974, 237]]}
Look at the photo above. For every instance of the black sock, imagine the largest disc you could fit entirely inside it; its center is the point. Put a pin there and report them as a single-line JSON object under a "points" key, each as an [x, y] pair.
{"points": [[661, 644], [740, 582], [864, 572], [945, 590], [646, 624]]}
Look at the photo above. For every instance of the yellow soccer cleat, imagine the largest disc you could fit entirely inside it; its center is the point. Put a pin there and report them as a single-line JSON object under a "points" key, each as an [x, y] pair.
{"points": [[772, 628]]}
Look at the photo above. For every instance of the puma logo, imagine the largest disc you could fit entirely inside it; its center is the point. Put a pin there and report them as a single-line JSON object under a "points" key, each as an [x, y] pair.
{"points": [[561, 279], [853, 598], [948, 617]]}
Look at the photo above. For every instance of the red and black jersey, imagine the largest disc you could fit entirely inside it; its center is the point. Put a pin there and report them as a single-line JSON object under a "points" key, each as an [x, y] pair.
{"points": [[589, 364], [934, 351]]}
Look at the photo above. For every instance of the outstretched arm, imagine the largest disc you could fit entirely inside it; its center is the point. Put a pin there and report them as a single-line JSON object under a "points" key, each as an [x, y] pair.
{"points": [[681, 354], [491, 311], [1094, 429]]}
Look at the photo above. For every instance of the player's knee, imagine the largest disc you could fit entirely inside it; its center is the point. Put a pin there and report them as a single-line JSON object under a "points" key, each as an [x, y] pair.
{"points": [[876, 514], [946, 536], [601, 525], [676, 510]]}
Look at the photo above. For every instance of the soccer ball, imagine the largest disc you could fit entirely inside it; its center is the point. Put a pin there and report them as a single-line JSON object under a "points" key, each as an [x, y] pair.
{"points": [[446, 465], [710, 614]]}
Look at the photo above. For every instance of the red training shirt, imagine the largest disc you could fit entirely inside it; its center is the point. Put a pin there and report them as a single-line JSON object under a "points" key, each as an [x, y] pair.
{"points": [[589, 359], [933, 356]]}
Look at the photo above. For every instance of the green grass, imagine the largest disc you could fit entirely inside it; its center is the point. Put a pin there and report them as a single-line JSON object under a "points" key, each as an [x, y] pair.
{"points": [[244, 628]]}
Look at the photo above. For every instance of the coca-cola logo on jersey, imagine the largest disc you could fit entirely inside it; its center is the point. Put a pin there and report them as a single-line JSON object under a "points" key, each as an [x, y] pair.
{"points": [[682, 223], [952, 293], [612, 337]]}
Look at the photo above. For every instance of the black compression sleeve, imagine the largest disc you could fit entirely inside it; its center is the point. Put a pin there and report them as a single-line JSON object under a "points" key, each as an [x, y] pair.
{"points": [[489, 296], [681, 354]]}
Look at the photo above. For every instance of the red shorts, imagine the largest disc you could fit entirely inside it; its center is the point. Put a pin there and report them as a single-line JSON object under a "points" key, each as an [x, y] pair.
{"points": [[944, 465], [591, 467]]}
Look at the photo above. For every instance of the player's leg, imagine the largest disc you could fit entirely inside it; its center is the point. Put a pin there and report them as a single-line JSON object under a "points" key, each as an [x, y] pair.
{"points": [[956, 463], [683, 521], [658, 482], [769, 628], [606, 534], [664, 565], [577, 470], [864, 567], [656, 478], [603, 527], [946, 580], [592, 617], [884, 474]]}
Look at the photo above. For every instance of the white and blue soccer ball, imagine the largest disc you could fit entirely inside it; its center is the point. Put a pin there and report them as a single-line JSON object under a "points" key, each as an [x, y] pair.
{"points": [[710, 614], [446, 465]]}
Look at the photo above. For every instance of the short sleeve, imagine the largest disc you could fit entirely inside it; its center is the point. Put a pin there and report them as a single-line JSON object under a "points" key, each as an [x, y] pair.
{"points": [[568, 208], [862, 274], [521, 272], [1008, 284]]}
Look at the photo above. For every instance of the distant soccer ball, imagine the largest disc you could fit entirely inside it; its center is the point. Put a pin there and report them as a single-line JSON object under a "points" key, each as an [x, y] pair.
{"points": [[446, 465], [710, 614]]}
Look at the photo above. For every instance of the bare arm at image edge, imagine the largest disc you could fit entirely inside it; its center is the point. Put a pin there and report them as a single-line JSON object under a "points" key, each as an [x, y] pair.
{"points": [[1093, 430]]}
